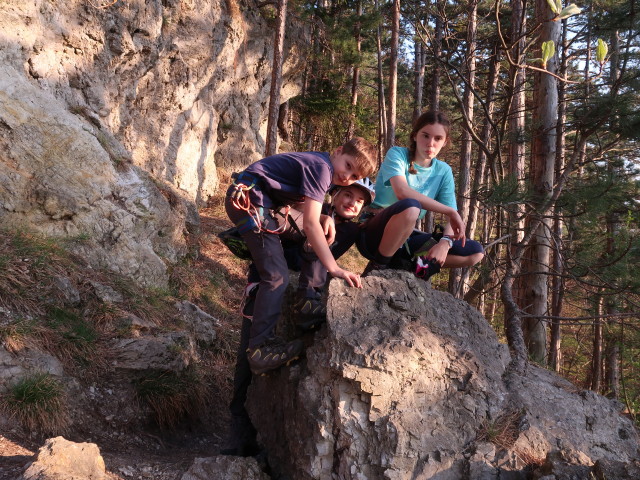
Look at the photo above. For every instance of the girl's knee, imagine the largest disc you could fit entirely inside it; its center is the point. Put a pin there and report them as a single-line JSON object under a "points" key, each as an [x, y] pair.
{"points": [[411, 213], [475, 258]]}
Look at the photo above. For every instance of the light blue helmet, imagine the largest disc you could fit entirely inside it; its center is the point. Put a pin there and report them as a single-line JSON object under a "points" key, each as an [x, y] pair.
{"points": [[364, 184]]}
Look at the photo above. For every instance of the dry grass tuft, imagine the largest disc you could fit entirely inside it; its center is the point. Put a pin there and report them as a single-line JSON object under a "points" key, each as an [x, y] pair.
{"points": [[503, 431], [529, 459], [39, 403], [35, 313], [172, 397], [28, 265]]}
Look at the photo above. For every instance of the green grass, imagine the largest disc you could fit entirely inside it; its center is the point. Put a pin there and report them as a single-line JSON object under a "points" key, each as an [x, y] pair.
{"points": [[38, 401]]}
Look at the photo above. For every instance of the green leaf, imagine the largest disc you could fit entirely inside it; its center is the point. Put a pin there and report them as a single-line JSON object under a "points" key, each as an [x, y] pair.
{"points": [[548, 51], [554, 6], [601, 51], [568, 11]]}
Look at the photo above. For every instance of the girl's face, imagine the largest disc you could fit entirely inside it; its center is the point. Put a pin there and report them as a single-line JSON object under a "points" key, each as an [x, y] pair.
{"points": [[348, 202], [429, 141]]}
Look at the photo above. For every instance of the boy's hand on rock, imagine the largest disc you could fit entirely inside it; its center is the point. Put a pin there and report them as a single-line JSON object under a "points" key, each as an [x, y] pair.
{"points": [[352, 279]]}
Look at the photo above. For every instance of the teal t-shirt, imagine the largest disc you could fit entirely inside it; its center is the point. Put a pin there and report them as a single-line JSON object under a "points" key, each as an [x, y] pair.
{"points": [[435, 182]]}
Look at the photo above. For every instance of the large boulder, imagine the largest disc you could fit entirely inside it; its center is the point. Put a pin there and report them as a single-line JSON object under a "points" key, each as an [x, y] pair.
{"points": [[225, 468], [406, 382]]}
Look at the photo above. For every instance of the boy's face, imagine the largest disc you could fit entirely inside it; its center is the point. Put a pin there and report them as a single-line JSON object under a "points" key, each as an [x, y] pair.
{"points": [[344, 170], [348, 202]]}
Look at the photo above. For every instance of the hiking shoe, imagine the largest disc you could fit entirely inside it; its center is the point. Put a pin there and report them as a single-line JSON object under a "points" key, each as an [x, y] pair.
{"points": [[248, 300], [373, 266], [272, 354], [310, 312], [425, 267]]}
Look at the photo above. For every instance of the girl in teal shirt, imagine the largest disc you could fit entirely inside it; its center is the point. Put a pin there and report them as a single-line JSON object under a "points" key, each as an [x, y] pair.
{"points": [[410, 182]]}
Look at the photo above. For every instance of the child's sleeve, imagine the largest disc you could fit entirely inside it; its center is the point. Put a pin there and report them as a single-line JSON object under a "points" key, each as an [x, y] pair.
{"points": [[315, 181], [395, 164], [447, 192]]}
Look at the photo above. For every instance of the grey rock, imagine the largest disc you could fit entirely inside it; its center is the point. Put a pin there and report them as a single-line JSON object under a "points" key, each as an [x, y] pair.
{"points": [[405, 393], [170, 351], [68, 290], [198, 321], [14, 366], [105, 293]]}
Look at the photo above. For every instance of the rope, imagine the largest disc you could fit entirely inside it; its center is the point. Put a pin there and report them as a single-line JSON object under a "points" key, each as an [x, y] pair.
{"points": [[241, 200]]}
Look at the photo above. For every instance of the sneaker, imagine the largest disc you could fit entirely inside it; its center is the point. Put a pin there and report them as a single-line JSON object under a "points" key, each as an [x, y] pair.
{"points": [[272, 354], [248, 300], [372, 266], [425, 267]]}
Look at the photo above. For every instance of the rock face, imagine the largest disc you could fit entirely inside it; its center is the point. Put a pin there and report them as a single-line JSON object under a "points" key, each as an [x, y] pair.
{"points": [[112, 119], [407, 383], [179, 83]]}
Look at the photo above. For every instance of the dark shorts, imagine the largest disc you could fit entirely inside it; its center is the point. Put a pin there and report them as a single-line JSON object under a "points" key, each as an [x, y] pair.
{"points": [[369, 241]]}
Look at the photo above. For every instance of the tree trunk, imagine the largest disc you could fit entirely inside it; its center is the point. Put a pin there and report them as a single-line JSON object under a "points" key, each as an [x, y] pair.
{"points": [[557, 281], [480, 169], [382, 114], [464, 172], [276, 81], [543, 153], [420, 64], [485, 136], [434, 101], [516, 121], [393, 76], [596, 353], [356, 78], [613, 370]]}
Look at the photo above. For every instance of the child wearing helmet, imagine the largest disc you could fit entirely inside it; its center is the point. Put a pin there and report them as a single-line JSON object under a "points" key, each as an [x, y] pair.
{"points": [[345, 206]]}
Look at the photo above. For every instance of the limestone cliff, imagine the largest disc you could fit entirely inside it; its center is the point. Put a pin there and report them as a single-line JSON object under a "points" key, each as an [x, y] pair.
{"points": [[112, 120]]}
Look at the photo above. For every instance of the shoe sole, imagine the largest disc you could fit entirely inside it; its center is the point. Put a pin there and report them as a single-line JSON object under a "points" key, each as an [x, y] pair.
{"points": [[263, 371], [311, 325]]}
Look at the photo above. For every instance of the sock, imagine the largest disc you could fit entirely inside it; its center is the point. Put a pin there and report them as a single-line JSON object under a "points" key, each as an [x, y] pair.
{"points": [[381, 259]]}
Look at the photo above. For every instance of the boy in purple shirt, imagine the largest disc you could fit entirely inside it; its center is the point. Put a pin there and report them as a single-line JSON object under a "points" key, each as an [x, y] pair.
{"points": [[258, 202]]}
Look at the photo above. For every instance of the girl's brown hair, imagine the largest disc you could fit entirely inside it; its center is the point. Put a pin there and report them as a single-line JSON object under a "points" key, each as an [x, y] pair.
{"points": [[430, 117]]}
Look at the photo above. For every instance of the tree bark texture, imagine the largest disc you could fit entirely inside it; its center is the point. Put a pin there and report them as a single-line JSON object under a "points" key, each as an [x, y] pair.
{"points": [[276, 81], [436, 68], [420, 64], [355, 83], [543, 152], [393, 76], [456, 286]]}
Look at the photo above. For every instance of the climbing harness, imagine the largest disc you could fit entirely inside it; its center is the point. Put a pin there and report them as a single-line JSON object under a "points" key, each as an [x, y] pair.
{"points": [[241, 200]]}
